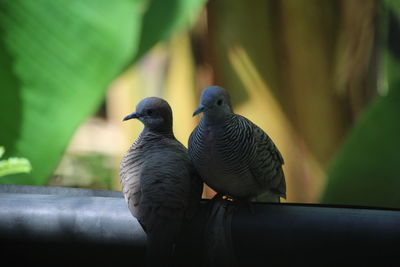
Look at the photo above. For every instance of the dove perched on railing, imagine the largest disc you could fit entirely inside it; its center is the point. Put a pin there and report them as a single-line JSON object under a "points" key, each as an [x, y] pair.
{"points": [[233, 155], [159, 182]]}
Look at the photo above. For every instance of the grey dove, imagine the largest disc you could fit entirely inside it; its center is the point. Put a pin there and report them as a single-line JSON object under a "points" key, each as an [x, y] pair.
{"points": [[160, 185], [233, 155]]}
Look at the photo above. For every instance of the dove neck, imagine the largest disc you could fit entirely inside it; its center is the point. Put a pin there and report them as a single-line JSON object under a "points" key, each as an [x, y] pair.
{"points": [[164, 131], [215, 119]]}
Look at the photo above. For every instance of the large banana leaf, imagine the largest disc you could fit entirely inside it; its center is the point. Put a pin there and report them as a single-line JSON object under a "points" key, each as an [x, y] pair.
{"points": [[57, 57], [164, 17]]}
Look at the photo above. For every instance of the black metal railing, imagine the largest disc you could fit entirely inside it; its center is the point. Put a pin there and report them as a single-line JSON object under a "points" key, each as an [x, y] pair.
{"points": [[84, 227]]}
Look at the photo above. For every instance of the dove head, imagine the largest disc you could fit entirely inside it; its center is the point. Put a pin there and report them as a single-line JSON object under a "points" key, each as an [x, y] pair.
{"points": [[214, 104], [155, 113]]}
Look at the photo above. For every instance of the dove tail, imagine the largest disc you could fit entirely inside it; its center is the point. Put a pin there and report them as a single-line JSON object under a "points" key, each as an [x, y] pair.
{"points": [[161, 243]]}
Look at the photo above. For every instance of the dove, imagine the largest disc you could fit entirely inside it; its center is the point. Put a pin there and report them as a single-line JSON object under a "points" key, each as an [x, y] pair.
{"points": [[160, 185], [234, 156]]}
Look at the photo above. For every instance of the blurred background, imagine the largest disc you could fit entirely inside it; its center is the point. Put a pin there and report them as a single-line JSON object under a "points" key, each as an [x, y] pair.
{"points": [[320, 77]]}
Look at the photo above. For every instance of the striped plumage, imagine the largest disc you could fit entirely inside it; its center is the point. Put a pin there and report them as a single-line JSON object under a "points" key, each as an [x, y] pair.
{"points": [[233, 155], [156, 176], [159, 182]]}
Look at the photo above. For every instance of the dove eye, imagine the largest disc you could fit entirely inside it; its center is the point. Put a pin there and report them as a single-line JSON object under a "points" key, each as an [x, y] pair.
{"points": [[219, 102]]}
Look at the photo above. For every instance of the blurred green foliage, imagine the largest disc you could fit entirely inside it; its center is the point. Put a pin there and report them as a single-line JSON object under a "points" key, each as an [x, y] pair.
{"points": [[84, 170], [57, 59], [366, 169]]}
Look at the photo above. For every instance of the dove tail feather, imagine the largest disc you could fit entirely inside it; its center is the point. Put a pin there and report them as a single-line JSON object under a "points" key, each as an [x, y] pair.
{"points": [[161, 243]]}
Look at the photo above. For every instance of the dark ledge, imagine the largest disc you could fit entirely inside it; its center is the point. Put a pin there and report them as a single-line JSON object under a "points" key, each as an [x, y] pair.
{"points": [[84, 227]]}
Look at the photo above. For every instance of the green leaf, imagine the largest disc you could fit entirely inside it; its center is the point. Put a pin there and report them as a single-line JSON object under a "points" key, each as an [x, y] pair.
{"points": [[57, 58], [163, 17], [366, 169], [14, 165], [1, 151]]}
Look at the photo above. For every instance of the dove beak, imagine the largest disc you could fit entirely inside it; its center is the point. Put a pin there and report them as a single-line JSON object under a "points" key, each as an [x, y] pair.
{"points": [[133, 115], [199, 109]]}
